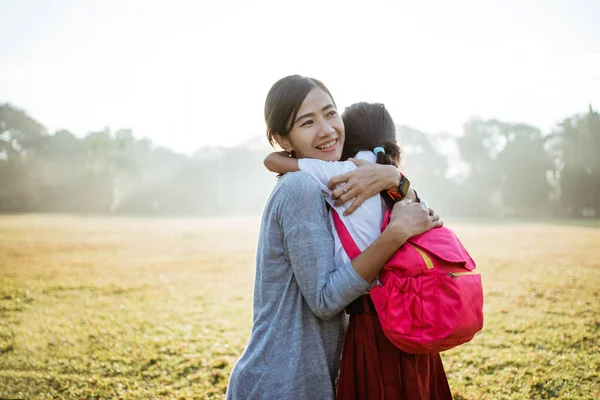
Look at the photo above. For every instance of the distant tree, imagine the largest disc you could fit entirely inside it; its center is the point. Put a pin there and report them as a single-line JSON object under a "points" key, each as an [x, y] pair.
{"points": [[19, 132], [510, 169], [427, 168], [20, 138], [479, 147], [523, 167], [576, 144]]}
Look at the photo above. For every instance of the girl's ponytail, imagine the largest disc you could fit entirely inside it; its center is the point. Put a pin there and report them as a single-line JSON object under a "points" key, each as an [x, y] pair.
{"points": [[388, 153]]}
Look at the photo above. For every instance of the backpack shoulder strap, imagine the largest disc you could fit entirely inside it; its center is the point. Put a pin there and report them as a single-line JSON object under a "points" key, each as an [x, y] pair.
{"points": [[347, 242]]}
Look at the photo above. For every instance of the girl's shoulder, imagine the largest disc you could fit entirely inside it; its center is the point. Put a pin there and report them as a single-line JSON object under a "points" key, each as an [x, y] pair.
{"points": [[312, 164]]}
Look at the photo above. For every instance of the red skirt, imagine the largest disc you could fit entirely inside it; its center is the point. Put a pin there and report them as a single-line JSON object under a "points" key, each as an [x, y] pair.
{"points": [[373, 368]]}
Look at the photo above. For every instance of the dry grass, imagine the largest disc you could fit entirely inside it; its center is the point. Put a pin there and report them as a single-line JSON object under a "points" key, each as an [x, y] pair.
{"points": [[161, 308]]}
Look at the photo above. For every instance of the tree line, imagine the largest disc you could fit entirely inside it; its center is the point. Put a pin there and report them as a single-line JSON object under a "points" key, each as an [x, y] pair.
{"points": [[493, 168]]}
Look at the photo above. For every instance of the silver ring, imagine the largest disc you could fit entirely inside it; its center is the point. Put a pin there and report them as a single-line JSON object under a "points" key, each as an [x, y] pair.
{"points": [[345, 190]]}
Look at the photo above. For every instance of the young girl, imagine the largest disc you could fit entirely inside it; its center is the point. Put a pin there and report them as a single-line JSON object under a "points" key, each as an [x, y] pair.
{"points": [[371, 366]]}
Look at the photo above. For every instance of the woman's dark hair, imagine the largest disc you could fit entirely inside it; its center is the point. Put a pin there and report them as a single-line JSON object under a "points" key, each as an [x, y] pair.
{"points": [[284, 101], [370, 125]]}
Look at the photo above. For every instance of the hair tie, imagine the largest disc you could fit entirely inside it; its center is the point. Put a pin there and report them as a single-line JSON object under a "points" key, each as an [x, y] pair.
{"points": [[378, 150]]}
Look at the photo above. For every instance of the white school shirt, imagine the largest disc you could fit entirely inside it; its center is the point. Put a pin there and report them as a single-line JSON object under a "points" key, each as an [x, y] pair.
{"points": [[364, 224]]}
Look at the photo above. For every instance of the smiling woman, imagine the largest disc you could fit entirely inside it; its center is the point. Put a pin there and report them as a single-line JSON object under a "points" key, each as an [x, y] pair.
{"points": [[317, 131], [299, 291], [302, 117]]}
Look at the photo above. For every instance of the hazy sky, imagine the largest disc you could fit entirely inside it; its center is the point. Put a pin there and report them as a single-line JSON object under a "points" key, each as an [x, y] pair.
{"points": [[193, 73]]}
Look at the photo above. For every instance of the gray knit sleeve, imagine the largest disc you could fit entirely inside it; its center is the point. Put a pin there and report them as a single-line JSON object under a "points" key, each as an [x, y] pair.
{"points": [[420, 199], [308, 242]]}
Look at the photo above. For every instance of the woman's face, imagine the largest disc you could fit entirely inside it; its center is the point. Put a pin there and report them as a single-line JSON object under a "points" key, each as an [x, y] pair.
{"points": [[318, 131]]}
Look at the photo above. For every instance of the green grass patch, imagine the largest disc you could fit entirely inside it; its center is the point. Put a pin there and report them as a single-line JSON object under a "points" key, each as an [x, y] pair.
{"points": [[131, 308]]}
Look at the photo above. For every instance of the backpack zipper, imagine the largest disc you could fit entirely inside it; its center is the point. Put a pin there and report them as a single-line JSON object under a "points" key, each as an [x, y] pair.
{"points": [[457, 275]]}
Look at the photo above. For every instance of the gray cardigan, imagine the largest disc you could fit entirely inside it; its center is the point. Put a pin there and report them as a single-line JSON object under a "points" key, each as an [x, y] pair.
{"points": [[299, 294]]}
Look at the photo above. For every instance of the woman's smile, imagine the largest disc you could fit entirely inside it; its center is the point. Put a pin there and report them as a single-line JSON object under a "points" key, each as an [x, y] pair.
{"points": [[329, 146]]}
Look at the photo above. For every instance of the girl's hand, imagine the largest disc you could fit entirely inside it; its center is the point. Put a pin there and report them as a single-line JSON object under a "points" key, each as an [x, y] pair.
{"points": [[409, 219], [365, 181]]}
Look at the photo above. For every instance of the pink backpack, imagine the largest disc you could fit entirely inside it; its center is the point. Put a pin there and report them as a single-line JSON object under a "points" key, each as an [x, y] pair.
{"points": [[429, 299]]}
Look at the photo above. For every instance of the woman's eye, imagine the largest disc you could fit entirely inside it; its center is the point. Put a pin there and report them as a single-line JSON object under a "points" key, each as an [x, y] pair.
{"points": [[307, 122], [331, 113]]}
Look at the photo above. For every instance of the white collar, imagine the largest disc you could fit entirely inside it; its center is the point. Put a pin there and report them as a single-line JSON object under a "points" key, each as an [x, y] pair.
{"points": [[366, 155]]}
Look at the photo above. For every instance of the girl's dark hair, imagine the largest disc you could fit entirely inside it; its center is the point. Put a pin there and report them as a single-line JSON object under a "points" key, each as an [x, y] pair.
{"points": [[370, 125], [284, 101]]}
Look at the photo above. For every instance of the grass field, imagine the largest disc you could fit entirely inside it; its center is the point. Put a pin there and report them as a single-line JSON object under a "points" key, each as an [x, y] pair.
{"points": [[161, 308]]}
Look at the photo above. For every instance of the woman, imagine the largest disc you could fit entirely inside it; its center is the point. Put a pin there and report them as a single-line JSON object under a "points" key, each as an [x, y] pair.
{"points": [[299, 293]]}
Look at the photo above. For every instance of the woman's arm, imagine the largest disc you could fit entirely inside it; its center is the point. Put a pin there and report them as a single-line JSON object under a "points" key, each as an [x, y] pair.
{"points": [[408, 219], [364, 182], [309, 247], [281, 162]]}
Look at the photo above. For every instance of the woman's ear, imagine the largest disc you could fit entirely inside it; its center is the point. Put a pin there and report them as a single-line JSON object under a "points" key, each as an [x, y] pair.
{"points": [[283, 142]]}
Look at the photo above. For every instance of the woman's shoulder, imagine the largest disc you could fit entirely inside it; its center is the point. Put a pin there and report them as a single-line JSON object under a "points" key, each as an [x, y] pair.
{"points": [[297, 190], [298, 197], [299, 181]]}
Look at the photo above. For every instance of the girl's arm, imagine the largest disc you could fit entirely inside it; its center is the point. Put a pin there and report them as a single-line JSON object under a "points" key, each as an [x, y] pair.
{"points": [[281, 163], [321, 171]]}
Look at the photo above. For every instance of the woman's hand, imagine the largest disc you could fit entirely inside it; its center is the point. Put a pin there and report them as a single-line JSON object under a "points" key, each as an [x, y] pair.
{"points": [[365, 181], [409, 219]]}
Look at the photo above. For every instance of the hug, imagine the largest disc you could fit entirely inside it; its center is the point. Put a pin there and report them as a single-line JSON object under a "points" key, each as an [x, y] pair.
{"points": [[358, 284]]}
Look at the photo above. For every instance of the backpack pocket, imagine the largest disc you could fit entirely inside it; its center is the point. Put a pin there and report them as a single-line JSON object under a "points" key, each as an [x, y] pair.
{"points": [[431, 312]]}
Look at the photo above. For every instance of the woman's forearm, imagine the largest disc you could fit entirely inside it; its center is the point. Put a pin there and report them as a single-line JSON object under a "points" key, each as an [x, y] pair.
{"points": [[368, 263], [412, 195], [393, 179], [408, 219]]}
